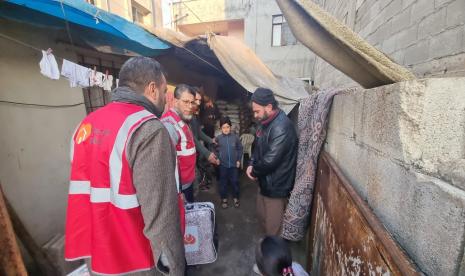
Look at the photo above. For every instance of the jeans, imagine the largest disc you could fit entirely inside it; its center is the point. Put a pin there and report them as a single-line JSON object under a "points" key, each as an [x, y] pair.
{"points": [[189, 193], [228, 176]]}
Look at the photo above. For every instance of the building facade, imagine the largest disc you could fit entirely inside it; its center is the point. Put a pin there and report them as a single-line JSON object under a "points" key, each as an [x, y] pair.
{"points": [[259, 23], [426, 36], [144, 12]]}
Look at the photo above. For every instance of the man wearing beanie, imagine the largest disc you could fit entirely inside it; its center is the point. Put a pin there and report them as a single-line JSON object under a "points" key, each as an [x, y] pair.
{"points": [[273, 161]]}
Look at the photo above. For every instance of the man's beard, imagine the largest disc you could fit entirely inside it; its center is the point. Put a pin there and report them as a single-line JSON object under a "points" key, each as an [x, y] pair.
{"points": [[186, 118], [161, 105], [265, 117]]}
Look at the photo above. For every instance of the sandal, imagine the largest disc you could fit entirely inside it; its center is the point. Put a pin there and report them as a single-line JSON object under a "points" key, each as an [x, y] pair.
{"points": [[236, 203], [224, 203]]}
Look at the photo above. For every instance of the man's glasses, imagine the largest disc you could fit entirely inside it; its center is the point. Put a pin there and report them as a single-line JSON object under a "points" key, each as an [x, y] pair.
{"points": [[187, 102]]}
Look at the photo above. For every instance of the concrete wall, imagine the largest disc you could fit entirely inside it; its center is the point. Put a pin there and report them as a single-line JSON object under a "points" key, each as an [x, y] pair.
{"points": [[34, 151], [120, 7], [200, 11], [292, 60], [123, 8], [402, 147], [426, 36]]}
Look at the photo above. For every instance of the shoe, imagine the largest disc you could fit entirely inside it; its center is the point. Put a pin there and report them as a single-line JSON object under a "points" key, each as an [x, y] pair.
{"points": [[224, 203], [256, 270], [236, 203]]}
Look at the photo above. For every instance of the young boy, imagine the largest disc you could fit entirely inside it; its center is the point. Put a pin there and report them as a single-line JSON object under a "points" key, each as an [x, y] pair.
{"points": [[229, 153]]}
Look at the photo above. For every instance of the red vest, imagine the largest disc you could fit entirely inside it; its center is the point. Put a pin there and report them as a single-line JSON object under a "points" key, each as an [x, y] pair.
{"points": [[185, 146], [104, 219]]}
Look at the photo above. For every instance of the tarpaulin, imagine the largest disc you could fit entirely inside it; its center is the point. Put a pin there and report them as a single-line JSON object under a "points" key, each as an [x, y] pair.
{"points": [[340, 46], [98, 28], [241, 63], [250, 72]]}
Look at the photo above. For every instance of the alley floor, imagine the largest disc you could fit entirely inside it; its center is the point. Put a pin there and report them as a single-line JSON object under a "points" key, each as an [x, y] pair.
{"points": [[238, 233]]}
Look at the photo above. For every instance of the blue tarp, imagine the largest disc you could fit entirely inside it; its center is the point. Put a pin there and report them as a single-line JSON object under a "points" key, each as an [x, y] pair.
{"points": [[89, 23]]}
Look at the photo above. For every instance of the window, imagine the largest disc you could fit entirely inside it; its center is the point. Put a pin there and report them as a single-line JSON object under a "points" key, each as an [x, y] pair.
{"points": [[137, 15], [95, 97], [281, 33], [139, 12]]}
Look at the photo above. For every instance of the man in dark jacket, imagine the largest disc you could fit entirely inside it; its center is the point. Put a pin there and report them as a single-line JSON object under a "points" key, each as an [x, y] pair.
{"points": [[273, 162]]}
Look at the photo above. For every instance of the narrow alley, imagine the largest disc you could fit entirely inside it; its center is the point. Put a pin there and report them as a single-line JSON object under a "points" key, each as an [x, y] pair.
{"points": [[238, 232]]}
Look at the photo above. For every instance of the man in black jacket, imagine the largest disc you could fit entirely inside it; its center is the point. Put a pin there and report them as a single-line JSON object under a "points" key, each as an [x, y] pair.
{"points": [[273, 161]]}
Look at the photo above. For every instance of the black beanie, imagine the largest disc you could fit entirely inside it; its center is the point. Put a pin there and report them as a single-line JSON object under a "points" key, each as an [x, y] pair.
{"points": [[263, 97]]}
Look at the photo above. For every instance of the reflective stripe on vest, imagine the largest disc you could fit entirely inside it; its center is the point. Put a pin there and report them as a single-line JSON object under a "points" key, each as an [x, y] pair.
{"points": [[183, 143], [101, 195]]}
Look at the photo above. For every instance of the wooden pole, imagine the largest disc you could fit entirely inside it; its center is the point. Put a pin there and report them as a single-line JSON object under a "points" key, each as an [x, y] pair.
{"points": [[43, 263], [10, 255]]}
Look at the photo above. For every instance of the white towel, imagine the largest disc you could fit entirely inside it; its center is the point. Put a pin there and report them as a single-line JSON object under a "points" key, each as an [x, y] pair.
{"points": [[48, 66], [77, 75], [107, 82]]}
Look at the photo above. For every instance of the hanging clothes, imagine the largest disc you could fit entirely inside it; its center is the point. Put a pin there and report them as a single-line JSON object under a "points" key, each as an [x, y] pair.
{"points": [[48, 65], [96, 78], [107, 82], [77, 75]]}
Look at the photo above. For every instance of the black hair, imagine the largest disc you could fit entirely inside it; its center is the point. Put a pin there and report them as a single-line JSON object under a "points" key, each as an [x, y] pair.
{"points": [[137, 72], [273, 256], [225, 120], [274, 105], [196, 89], [181, 88]]}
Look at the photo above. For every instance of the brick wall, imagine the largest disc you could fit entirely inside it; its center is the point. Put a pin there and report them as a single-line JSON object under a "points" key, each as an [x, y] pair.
{"points": [[426, 36]]}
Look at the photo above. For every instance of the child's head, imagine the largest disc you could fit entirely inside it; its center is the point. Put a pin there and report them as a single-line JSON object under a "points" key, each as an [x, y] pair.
{"points": [[273, 257], [225, 125]]}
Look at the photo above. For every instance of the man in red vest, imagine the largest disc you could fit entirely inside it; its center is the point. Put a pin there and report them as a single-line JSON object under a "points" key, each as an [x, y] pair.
{"points": [[176, 120], [122, 211]]}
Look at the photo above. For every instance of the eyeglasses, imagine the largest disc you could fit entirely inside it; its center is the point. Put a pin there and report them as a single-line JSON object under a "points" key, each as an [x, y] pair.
{"points": [[187, 102]]}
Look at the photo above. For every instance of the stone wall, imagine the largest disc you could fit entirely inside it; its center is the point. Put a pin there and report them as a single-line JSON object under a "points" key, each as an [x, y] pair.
{"points": [[426, 36], [402, 148]]}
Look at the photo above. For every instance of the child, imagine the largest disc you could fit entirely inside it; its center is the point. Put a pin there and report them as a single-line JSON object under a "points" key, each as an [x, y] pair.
{"points": [[229, 154], [274, 258]]}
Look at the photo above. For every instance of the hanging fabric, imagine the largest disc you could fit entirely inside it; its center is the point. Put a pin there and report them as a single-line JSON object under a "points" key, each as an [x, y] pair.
{"points": [[107, 81], [312, 124], [77, 75], [96, 78], [48, 65]]}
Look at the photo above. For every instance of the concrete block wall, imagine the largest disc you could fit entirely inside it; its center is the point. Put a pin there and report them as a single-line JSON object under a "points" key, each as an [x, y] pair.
{"points": [[426, 36], [402, 147]]}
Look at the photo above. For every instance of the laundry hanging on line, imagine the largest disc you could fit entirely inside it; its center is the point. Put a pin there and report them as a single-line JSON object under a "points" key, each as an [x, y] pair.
{"points": [[77, 75], [48, 65]]}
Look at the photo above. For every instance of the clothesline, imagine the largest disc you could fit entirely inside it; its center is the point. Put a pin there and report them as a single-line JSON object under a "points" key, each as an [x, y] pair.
{"points": [[74, 72]]}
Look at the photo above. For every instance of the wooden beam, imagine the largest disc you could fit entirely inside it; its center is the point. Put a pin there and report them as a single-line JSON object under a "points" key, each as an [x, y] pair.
{"points": [[10, 255], [43, 263]]}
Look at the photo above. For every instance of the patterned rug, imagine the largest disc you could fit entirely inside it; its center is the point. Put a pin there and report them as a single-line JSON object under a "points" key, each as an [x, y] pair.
{"points": [[312, 124]]}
